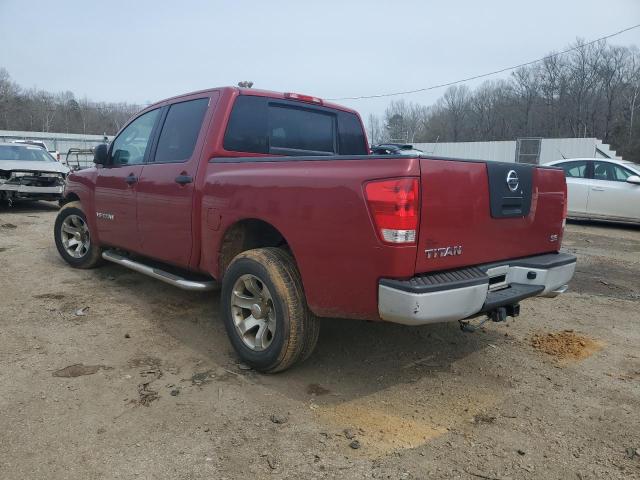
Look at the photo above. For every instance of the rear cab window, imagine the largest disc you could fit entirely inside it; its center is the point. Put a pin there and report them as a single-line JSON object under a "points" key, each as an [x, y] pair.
{"points": [[284, 127]]}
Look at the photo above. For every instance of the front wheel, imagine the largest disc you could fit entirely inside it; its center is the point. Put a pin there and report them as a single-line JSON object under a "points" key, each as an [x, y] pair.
{"points": [[73, 240], [265, 311]]}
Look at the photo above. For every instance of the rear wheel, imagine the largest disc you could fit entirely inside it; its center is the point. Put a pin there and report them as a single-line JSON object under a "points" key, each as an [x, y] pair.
{"points": [[73, 239], [265, 311]]}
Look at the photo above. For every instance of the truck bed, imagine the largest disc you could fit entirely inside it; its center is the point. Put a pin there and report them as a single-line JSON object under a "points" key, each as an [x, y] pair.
{"points": [[318, 205]]}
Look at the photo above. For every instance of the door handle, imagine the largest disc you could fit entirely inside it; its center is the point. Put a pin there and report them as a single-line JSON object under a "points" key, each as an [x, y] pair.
{"points": [[131, 179], [184, 179], [597, 189]]}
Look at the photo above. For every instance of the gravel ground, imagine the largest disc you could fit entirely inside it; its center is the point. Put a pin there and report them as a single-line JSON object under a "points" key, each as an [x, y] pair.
{"points": [[109, 374]]}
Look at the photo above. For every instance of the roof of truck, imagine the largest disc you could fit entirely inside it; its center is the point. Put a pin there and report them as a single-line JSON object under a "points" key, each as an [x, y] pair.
{"points": [[258, 93]]}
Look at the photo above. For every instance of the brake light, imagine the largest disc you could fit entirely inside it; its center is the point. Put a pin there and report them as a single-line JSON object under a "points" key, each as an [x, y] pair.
{"points": [[395, 207], [303, 98]]}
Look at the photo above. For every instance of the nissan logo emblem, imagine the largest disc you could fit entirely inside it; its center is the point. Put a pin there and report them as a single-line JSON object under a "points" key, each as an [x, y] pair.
{"points": [[512, 180]]}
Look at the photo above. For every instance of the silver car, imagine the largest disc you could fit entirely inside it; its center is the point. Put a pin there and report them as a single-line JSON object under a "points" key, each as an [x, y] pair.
{"points": [[602, 189], [28, 172]]}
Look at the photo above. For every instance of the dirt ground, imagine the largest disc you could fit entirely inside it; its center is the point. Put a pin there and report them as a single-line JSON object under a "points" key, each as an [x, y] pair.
{"points": [[110, 374]]}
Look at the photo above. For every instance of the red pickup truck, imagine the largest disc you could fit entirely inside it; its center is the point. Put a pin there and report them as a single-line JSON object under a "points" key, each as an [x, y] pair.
{"points": [[276, 197]]}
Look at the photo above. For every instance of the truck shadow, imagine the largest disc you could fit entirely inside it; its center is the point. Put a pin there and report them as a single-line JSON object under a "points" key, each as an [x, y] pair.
{"points": [[357, 358], [353, 358]]}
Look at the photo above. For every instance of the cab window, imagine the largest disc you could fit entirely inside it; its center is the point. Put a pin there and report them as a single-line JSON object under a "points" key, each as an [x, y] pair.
{"points": [[282, 127], [180, 131], [294, 130], [575, 169], [130, 146], [610, 171]]}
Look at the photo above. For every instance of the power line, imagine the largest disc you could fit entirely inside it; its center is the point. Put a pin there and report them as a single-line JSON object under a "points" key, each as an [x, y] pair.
{"points": [[433, 87]]}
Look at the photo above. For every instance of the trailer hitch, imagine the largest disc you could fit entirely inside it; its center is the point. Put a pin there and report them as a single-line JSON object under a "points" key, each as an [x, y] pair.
{"points": [[499, 314]]}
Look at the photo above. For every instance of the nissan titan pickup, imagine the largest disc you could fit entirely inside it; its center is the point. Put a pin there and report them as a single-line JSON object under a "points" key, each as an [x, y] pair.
{"points": [[276, 200]]}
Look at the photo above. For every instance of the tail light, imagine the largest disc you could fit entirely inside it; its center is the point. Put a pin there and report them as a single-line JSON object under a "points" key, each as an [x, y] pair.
{"points": [[395, 207]]}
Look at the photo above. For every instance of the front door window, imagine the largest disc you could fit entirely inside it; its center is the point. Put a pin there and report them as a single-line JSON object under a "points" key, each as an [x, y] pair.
{"points": [[130, 147]]}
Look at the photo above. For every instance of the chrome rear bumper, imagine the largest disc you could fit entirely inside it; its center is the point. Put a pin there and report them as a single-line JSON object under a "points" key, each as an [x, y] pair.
{"points": [[459, 294]]}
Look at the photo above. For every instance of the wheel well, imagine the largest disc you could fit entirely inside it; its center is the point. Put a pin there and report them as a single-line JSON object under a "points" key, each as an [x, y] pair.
{"points": [[247, 235]]}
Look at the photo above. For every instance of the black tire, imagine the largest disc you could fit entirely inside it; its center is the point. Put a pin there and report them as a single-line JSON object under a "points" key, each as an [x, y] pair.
{"points": [[296, 328], [93, 255]]}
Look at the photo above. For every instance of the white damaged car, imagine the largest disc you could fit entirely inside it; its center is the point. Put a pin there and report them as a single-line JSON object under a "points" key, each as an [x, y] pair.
{"points": [[29, 172]]}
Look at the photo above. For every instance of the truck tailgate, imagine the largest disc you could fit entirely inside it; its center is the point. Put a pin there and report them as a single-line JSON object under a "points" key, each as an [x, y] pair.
{"points": [[480, 212]]}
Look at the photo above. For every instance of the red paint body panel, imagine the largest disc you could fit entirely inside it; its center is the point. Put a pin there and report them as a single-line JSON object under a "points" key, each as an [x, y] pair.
{"points": [[114, 196], [319, 207], [455, 211]]}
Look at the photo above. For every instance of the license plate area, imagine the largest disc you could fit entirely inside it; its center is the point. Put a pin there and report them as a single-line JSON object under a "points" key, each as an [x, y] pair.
{"points": [[498, 277]]}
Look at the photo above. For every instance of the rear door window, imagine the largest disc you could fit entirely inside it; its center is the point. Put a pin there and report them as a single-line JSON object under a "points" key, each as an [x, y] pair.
{"points": [[180, 131], [280, 127], [247, 127], [575, 169], [351, 135]]}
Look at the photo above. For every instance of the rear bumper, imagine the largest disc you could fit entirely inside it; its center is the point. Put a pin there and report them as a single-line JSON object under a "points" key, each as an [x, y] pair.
{"points": [[463, 293]]}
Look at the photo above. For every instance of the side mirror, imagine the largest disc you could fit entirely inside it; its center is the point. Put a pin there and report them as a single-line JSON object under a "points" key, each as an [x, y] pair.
{"points": [[635, 179], [101, 154]]}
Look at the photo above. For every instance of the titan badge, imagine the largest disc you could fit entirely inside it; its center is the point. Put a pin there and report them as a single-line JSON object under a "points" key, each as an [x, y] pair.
{"points": [[444, 251], [105, 216]]}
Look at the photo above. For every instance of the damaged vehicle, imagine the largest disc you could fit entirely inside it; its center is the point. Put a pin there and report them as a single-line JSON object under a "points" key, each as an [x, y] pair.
{"points": [[29, 172]]}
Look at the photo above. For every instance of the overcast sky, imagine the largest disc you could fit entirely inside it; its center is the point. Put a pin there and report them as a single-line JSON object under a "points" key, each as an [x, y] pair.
{"points": [[140, 51]]}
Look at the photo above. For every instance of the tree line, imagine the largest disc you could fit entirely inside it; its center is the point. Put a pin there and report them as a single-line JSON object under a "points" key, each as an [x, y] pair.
{"points": [[592, 91], [41, 111]]}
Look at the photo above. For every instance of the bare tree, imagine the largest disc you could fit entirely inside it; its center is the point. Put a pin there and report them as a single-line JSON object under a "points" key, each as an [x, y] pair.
{"points": [[632, 92], [40, 110], [591, 91], [526, 86], [456, 103], [375, 131], [404, 121]]}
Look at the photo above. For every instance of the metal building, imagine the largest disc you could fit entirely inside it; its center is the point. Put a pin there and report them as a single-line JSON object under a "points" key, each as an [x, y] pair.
{"points": [[522, 150]]}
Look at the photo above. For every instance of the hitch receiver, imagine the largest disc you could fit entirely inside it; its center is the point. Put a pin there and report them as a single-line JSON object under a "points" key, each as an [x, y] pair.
{"points": [[500, 314]]}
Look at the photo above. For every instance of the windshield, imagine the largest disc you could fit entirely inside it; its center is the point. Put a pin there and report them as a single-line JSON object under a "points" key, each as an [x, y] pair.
{"points": [[22, 153]]}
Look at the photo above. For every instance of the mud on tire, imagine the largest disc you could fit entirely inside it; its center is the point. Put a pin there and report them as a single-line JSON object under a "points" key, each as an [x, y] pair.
{"points": [[262, 296]]}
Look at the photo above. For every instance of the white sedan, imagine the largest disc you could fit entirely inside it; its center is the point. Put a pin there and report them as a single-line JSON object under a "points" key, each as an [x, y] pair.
{"points": [[602, 189]]}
